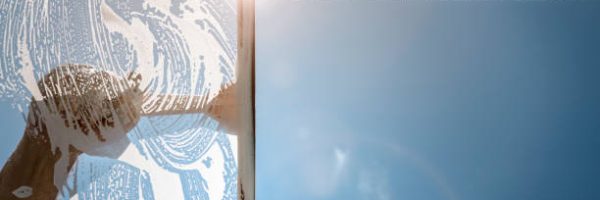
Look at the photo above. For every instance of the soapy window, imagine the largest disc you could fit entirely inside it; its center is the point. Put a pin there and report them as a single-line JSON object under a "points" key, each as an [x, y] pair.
{"points": [[122, 99]]}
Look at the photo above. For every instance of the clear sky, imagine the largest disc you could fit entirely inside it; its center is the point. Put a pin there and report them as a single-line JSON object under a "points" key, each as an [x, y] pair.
{"points": [[427, 100], [422, 100]]}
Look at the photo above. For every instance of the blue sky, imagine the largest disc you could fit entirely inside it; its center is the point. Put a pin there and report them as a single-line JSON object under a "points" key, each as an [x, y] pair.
{"points": [[422, 100], [427, 100]]}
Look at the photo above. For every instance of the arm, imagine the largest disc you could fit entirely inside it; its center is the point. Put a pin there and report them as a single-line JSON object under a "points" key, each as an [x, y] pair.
{"points": [[31, 165]]}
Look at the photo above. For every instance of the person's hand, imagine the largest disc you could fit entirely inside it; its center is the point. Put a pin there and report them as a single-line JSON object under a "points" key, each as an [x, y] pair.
{"points": [[84, 108], [80, 110]]}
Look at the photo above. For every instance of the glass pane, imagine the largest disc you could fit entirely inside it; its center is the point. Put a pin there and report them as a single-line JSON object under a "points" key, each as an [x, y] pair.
{"points": [[124, 99]]}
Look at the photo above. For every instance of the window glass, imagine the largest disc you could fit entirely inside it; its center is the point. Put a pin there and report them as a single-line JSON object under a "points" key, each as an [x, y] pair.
{"points": [[120, 99]]}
